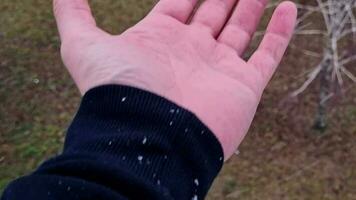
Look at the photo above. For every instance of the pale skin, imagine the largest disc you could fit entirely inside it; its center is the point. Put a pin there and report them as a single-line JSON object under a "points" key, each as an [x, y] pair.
{"points": [[193, 60]]}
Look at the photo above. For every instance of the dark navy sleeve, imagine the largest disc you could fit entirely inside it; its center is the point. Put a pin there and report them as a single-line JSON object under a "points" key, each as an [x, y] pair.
{"points": [[126, 143]]}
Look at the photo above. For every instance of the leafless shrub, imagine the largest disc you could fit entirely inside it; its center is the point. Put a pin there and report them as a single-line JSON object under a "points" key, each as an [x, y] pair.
{"points": [[340, 25]]}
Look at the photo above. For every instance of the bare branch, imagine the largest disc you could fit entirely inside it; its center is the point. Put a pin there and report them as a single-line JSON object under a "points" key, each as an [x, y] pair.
{"points": [[340, 23], [312, 76], [348, 74]]}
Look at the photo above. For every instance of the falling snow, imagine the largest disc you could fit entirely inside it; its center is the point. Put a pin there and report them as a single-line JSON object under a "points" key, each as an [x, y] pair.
{"points": [[195, 197], [237, 152], [123, 99], [196, 181], [186, 130], [110, 143], [36, 81], [171, 123], [172, 111], [144, 141], [139, 158]]}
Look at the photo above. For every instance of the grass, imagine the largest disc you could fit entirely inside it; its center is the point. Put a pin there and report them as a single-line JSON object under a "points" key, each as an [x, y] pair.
{"points": [[281, 157]]}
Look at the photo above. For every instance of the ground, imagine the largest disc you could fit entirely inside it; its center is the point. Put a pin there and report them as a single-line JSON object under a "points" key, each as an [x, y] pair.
{"points": [[281, 158]]}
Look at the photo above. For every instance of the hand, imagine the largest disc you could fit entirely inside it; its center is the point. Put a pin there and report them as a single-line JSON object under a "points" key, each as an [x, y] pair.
{"points": [[195, 64]]}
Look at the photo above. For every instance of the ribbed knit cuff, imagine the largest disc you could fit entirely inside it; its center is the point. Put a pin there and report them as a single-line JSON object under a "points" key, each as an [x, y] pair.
{"points": [[152, 138]]}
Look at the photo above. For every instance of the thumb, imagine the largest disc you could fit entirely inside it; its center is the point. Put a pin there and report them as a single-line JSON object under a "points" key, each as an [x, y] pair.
{"points": [[74, 18]]}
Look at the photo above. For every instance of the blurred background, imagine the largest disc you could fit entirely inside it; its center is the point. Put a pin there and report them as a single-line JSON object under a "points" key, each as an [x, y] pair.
{"points": [[283, 157]]}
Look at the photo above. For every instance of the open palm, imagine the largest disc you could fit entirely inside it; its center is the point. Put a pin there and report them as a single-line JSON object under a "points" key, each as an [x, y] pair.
{"points": [[194, 63]]}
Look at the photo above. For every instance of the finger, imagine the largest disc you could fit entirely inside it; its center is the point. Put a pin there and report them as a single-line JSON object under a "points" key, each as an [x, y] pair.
{"points": [[73, 18], [178, 9], [213, 14], [242, 25], [276, 40]]}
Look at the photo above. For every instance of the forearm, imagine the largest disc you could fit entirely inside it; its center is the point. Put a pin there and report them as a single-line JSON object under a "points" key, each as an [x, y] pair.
{"points": [[125, 143]]}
